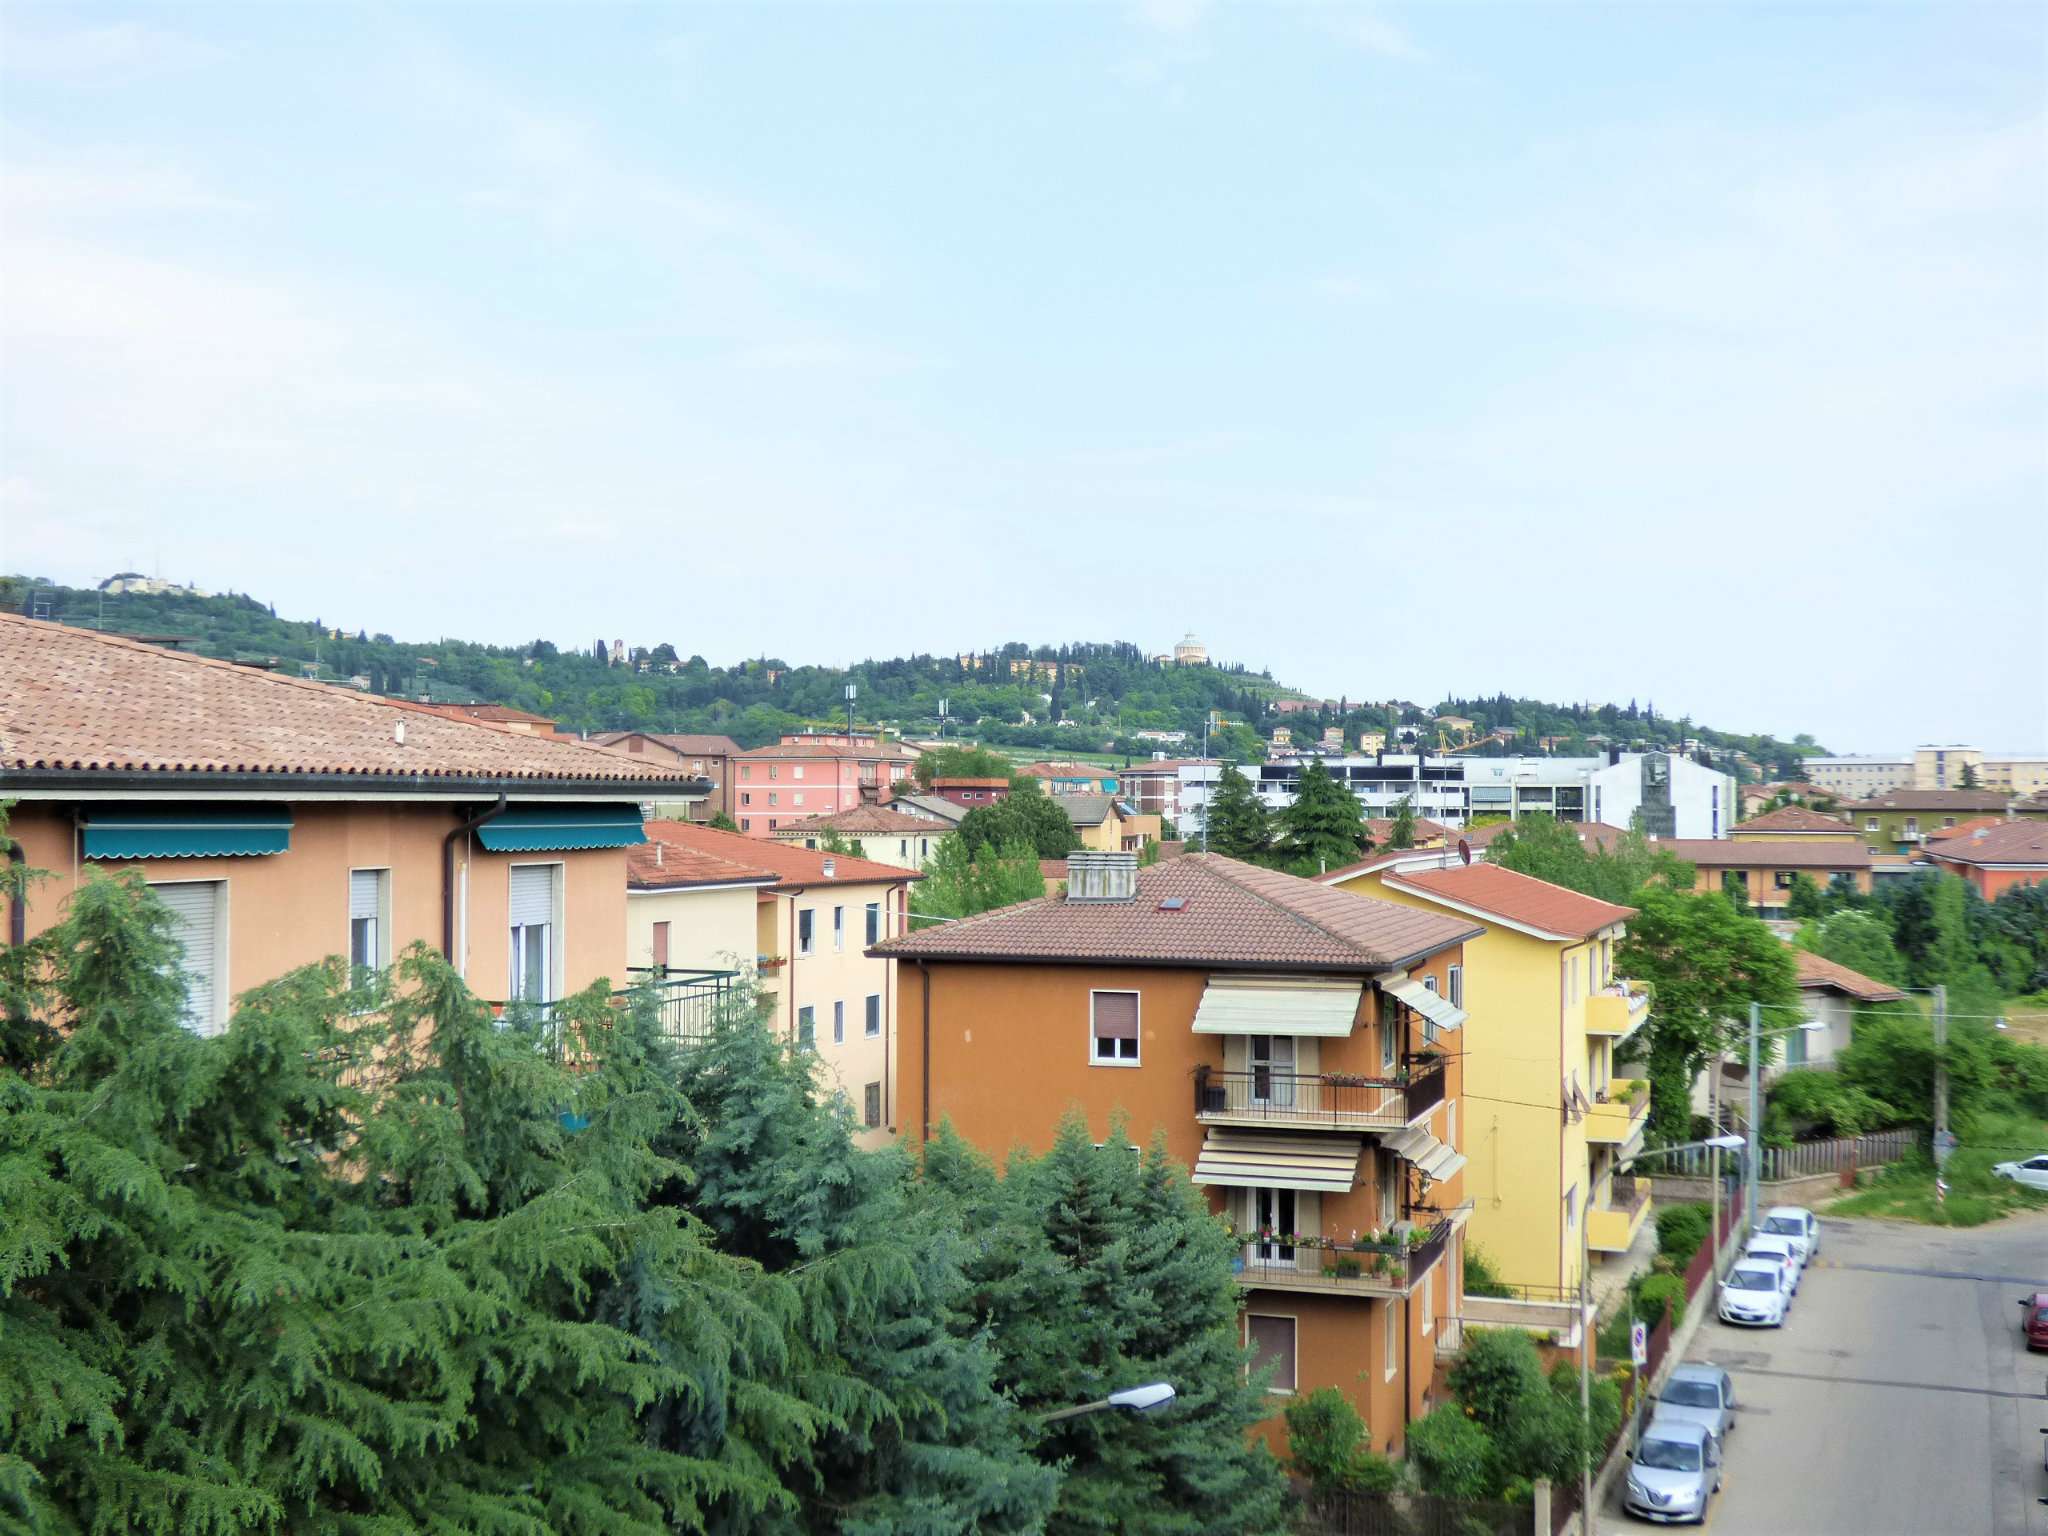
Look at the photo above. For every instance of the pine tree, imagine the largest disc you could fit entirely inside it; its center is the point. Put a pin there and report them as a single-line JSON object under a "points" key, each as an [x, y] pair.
{"points": [[1322, 829], [1402, 834], [1238, 823]]}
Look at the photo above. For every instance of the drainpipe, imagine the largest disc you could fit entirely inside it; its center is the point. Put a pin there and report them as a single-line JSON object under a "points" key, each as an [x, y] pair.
{"points": [[448, 875], [924, 977], [17, 909]]}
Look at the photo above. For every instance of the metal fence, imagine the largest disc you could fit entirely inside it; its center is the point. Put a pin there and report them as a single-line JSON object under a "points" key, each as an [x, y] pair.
{"points": [[1805, 1158], [688, 1001], [1409, 1514]]}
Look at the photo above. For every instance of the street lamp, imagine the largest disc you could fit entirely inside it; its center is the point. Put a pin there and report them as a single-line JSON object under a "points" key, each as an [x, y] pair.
{"points": [[1146, 1399]]}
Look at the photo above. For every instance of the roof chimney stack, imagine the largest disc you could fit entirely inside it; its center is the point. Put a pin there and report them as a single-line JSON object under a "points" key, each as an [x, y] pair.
{"points": [[1098, 876]]}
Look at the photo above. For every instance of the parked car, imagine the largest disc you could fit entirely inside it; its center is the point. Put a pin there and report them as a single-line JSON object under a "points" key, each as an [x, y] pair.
{"points": [[2032, 1171], [1699, 1394], [1765, 1246], [1797, 1225], [1755, 1292], [2034, 1320], [1676, 1472]]}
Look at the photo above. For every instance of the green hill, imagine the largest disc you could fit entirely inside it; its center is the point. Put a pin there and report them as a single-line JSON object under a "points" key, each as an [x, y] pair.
{"points": [[1106, 691]]}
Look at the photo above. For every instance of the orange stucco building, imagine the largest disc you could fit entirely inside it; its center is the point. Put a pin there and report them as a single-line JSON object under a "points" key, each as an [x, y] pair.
{"points": [[285, 821], [1764, 868], [1294, 1045], [1997, 858]]}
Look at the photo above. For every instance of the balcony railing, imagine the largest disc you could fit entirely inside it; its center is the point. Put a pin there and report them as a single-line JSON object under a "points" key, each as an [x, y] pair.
{"points": [[1325, 1100], [1613, 1228], [688, 1002], [1618, 1010], [1618, 1112], [1389, 1267]]}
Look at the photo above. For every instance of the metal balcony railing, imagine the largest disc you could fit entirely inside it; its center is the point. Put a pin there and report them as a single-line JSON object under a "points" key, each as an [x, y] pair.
{"points": [[1330, 1099]]}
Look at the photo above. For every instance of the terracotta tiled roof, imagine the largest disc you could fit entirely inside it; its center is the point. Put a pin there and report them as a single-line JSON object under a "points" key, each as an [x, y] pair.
{"points": [[1964, 828], [1516, 897], [1233, 916], [791, 865], [1066, 771], [683, 742], [1593, 834], [2010, 842], [1814, 971], [1794, 818], [80, 701], [862, 820], [1381, 828], [1765, 853], [1931, 800], [660, 864], [887, 752]]}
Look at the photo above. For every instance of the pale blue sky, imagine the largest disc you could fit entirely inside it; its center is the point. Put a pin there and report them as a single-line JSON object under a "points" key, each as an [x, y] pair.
{"points": [[1695, 353]]}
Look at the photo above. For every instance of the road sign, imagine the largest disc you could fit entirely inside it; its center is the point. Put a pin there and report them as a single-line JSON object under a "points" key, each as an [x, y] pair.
{"points": [[1639, 1344]]}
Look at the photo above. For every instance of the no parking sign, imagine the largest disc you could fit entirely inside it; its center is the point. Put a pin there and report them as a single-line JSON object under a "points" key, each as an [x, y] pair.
{"points": [[1639, 1344]]}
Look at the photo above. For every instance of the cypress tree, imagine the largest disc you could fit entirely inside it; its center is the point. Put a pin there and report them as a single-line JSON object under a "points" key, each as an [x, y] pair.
{"points": [[1323, 829], [1238, 823]]}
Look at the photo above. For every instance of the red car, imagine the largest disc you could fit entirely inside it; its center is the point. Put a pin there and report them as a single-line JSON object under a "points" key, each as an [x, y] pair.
{"points": [[2034, 1320]]}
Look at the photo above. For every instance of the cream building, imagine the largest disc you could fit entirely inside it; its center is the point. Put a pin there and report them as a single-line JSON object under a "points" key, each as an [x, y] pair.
{"points": [[880, 834]]}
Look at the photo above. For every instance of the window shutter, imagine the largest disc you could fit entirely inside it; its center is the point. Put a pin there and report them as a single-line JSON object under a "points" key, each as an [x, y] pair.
{"points": [[194, 911], [533, 895], [362, 893], [1272, 1342], [1116, 1015]]}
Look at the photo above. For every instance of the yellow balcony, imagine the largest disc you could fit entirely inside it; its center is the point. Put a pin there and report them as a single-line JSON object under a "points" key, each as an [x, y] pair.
{"points": [[1613, 1227], [1617, 1117], [1618, 1011]]}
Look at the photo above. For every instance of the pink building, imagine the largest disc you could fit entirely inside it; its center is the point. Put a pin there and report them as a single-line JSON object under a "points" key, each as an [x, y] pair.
{"points": [[813, 774], [971, 792]]}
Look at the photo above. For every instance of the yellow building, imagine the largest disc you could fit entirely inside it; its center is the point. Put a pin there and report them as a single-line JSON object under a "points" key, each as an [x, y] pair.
{"points": [[1107, 825], [1547, 1116], [1795, 822], [875, 832]]}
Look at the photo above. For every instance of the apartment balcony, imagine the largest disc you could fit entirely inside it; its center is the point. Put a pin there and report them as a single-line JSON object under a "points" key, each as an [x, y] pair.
{"points": [[1392, 1267], [1619, 1110], [1560, 1316], [1323, 1101], [1613, 1228], [1618, 1010]]}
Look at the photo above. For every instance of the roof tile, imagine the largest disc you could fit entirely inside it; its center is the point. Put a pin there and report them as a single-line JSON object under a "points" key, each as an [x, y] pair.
{"points": [[1517, 897], [790, 864]]}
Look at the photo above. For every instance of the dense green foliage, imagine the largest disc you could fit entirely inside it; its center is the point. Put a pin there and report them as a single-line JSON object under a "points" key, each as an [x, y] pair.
{"points": [[1106, 691], [1681, 1229], [1025, 815], [1238, 824], [1322, 828], [1510, 1424], [959, 884], [1097, 1267], [1860, 940], [1481, 1278], [1548, 849], [954, 761], [1330, 1444]]}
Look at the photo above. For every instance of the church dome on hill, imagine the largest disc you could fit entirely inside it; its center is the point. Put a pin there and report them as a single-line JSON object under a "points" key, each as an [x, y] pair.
{"points": [[1190, 652]]}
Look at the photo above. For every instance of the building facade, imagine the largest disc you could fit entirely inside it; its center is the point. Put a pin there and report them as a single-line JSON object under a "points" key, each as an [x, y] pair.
{"points": [[1295, 1047], [1996, 859], [706, 757], [1763, 871], [1903, 820], [879, 833], [813, 774]]}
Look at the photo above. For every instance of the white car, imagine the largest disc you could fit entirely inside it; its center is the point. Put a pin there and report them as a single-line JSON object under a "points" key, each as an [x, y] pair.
{"points": [[1763, 1245], [1755, 1294], [1797, 1225], [2033, 1172]]}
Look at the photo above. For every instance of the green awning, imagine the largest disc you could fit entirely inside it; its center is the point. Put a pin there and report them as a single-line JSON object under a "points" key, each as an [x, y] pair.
{"points": [[535, 828], [187, 831]]}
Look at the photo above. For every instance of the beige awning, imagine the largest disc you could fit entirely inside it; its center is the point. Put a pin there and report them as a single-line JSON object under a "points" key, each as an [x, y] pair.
{"points": [[1425, 1152], [1438, 1010], [1241, 1158], [1277, 1005]]}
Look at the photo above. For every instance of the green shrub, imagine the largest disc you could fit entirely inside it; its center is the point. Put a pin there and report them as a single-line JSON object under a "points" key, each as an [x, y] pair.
{"points": [[1661, 1296], [1498, 1369], [1452, 1454], [1681, 1229], [1480, 1277], [1329, 1444]]}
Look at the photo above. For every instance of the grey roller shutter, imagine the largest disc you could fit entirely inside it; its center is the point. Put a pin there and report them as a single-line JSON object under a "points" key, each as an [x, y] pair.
{"points": [[195, 909], [533, 895], [362, 893]]}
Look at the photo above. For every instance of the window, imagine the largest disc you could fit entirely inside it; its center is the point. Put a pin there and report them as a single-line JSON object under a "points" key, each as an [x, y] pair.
{"points": [[1389, 1190], [1429, 983], [1387, 1028], [659, 959], [1782, 879], [1948, 821], [746, 770], [773, 771], [1571, 1206], [531, 912], [1113, 1027], [804, 917], [797, 798], [796, 770], [1272, 1343], [1912, 826], [1457, 974], [902, 847], [1272, 1058], [924, 847], [199, 923], [1451, 1124], [839, 927], [746, 823], [872, 1025], [746, 797], [369, 906], [773, 798], [1795, 1048], [1870, 823], [806, 1029], [874, 922], [838, 1023], [1390, 1340], [871, 1105], [1427, 1296]]}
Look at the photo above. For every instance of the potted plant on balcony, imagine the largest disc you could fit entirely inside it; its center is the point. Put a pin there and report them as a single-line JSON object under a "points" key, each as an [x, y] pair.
{"points": [[1346, 1269], [1346, 1080]]}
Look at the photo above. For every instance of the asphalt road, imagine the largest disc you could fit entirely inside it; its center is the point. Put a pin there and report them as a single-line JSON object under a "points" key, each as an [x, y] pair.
{"points": [[1898, 1399]]}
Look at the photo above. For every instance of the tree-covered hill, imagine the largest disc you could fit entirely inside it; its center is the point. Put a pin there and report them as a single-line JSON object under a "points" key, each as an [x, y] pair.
{"points": [[1015, 696]]}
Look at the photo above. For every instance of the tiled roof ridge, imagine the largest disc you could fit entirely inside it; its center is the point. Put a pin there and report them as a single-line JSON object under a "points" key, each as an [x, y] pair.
{"points": [[1222, 872]]}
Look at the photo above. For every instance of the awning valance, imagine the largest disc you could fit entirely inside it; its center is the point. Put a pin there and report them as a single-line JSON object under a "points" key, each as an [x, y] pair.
{"points": [[187, 831], [1425, 1152], [539, 828], [1437, 1009], [1242, 1158], [1277, 1005]]}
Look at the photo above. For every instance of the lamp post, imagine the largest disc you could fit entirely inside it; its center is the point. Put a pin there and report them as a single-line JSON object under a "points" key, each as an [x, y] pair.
{"points": [[1146, 1399]]}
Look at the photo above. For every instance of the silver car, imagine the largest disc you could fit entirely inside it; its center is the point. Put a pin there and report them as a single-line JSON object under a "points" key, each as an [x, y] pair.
{"points": [[1797, 1225], [1676, 1471], [1699, 1394]]}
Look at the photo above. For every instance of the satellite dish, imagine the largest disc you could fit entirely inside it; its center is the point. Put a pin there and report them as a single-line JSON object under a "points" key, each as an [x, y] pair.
{"points": [[1464, 851]]}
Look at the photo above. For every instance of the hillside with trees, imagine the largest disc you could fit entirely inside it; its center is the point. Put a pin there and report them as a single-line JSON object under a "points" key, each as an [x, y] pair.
{"points": [[1078, 697]]}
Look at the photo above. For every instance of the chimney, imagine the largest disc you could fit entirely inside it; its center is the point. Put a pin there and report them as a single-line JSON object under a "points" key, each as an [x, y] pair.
{"points": [[1097, 876], [831, 869], [1613, 756], [657, 853]]}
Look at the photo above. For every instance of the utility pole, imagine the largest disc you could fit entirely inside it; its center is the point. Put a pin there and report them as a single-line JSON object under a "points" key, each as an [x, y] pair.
{"points": [[1943, 1142], [1756, 1014], [1585, 1363], [1714, 1162]]}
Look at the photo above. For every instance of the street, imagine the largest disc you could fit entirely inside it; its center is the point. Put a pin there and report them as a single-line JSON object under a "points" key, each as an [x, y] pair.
{"points": [[1898, 1399]]}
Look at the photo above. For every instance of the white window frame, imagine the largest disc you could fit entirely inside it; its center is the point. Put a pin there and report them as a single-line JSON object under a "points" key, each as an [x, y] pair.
{"points": [[1427, 1292], [810, 1044], [871, 1106], [874, 922], [556, 938], [380, 920], [1137, 1041], [1391, 1339], [839, 1021], [1390, 1053], [1294, 1354], [839, 929], [806, 930], [871, 1019], [1271, 1253], [1456, 991], [1276, 1064], [217, 1022]]}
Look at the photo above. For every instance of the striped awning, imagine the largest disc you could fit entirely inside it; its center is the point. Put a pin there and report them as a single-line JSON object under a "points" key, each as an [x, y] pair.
{"points": [[1438, 1010], [1425, 1152], [1240, 1158], [1277, 1005]]}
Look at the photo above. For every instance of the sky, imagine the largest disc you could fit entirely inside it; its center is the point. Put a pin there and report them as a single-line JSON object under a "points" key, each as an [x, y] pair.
{"points": [[1696, 355]]}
